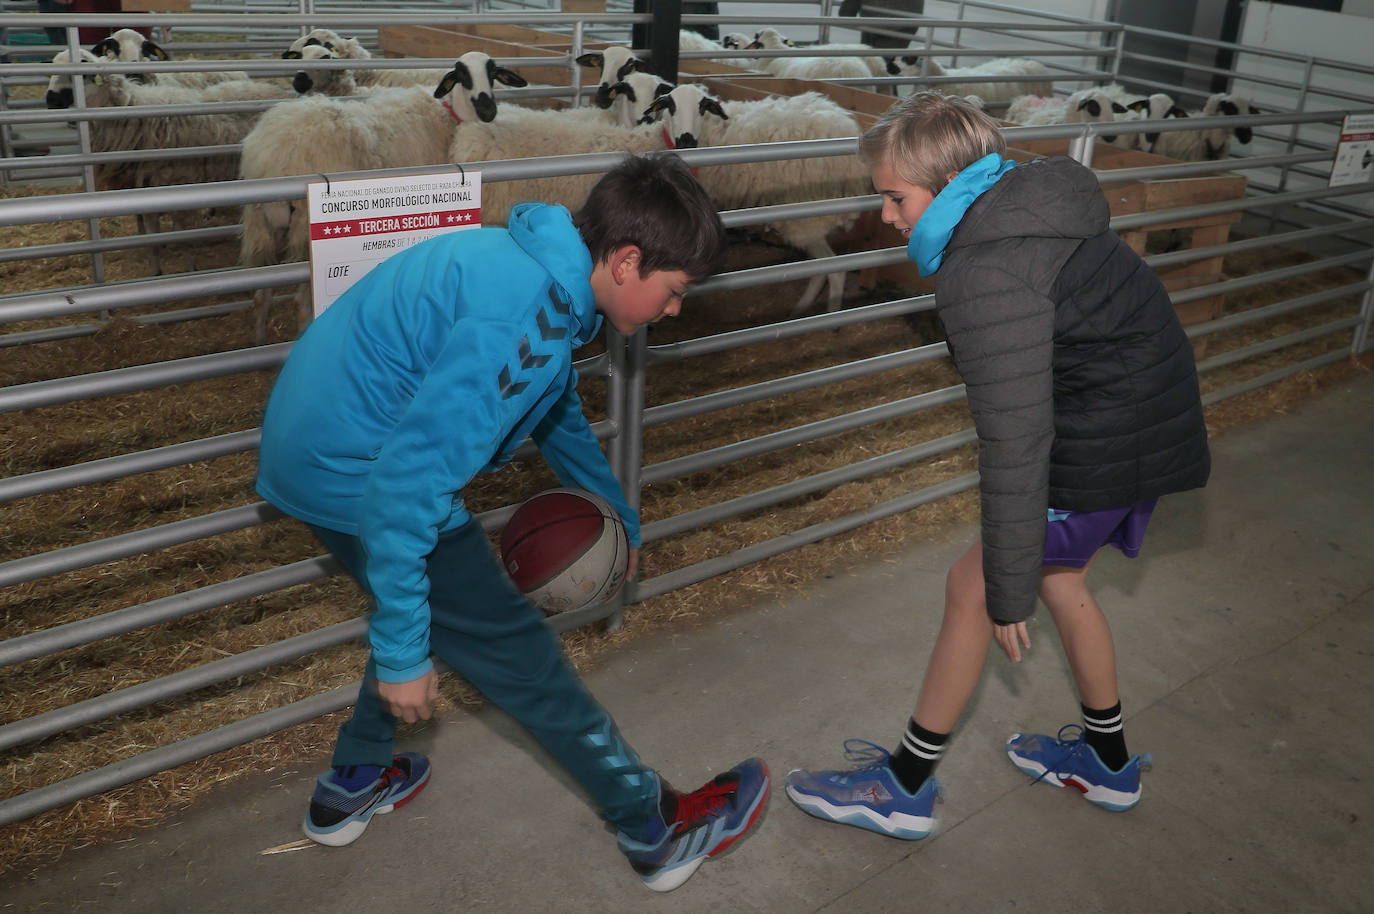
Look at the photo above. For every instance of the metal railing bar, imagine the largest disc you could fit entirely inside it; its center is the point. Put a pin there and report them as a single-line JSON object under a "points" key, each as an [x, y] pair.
{"points": [[1261, 241], [1273, 377], [793, 383], [108, 468], [72, 558], [90, 329], [140, 766], [692, 574], [125, 243], [154, 612], [1183, 213], [800, 434], [1188, 169], [1255, 315], [764, 498], [1232, 356], [175, 685], [1259, 279], [141, 377]]}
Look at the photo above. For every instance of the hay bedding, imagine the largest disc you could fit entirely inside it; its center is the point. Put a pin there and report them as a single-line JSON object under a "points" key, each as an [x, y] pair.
{"points": [[61, 435]]}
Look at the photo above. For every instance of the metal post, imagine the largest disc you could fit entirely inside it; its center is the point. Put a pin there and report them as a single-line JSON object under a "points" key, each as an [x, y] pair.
{"points": [[1116, 59], [958, 33], [1081, 149], [625, 392], [824, 34], [1360, 337], [661, 37], [1292, 138], [83, 132], [576, 67]]}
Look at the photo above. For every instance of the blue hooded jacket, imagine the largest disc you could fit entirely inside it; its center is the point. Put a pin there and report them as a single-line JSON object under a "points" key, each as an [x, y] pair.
{"points": [[435, 366]]}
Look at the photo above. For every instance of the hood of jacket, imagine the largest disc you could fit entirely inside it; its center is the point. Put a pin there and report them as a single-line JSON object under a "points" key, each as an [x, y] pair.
{"points": [[1046, 198], [546, 233]]}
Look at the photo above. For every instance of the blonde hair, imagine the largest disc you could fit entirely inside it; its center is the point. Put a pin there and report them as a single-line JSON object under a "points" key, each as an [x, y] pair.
{"points": [[928, 136]]}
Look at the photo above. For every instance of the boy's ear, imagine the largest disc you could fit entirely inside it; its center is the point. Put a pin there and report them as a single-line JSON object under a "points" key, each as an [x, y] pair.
{"points": [[624, 261]]}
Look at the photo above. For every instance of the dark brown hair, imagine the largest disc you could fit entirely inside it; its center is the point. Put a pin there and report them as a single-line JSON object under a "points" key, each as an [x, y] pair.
{"points": [[653, 202]]}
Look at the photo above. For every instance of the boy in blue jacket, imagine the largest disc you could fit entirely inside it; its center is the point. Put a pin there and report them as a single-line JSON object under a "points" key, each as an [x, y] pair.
{"points": [[435, 366]]}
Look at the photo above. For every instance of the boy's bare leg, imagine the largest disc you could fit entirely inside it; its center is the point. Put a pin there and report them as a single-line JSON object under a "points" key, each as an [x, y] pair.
{"points": [[1084, 632], [956, 663]]}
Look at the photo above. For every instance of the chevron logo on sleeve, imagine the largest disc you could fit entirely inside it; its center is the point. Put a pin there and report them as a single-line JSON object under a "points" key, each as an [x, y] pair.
{"points": [[559, 305]]}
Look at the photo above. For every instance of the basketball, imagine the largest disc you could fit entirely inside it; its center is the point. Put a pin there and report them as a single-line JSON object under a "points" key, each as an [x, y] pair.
{"points": [[565, 549]]}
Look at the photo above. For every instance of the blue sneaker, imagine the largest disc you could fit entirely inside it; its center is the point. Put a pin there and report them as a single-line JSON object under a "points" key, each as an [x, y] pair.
{"points": [[693, 826], [1071, 762], [338, 816], [869, 796]]}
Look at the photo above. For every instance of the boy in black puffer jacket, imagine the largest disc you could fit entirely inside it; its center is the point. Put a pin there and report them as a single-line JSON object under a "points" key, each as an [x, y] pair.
{"points": [[1085, 398]]}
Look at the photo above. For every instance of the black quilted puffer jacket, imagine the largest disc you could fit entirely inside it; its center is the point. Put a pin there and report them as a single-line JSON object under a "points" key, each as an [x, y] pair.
{"points": [[1079, 375]]}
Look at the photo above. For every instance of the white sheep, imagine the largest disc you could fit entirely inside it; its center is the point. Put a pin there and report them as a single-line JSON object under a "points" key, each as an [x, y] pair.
{"points": [[321, 81], [352, 49], [827, 67], [318, 134], [1211, 143], [1092, 105], [631, 97], [110, 90], [695, 118], [991, 91], [127, 45], [615, 63]]}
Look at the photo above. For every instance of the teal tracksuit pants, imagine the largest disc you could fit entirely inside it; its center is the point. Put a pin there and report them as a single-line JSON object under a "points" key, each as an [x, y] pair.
{"points": [[486, 630]]}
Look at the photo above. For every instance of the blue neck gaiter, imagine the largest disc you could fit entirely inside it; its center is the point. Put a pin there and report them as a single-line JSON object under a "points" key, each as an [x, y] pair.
{"points": [[933, 230]]}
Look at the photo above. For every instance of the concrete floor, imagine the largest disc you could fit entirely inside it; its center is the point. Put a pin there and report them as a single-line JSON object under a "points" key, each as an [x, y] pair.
{"points": [[1245, 636]]}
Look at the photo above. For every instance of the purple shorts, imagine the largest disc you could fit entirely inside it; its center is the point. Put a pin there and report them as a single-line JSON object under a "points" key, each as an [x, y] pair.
{"points": [[1073, 537]]}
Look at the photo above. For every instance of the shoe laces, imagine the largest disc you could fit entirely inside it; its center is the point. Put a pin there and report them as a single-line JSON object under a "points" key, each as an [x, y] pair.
{"points": [[868, 756], [706, 802], [1075, 740]]}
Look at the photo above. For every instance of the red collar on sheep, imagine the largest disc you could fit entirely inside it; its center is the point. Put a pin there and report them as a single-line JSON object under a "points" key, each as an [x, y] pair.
{"points": [[451, 113], [668, 141]]}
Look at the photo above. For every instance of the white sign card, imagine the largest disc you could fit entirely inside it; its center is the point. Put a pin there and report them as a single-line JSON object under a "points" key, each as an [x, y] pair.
{"points": [[355, 225], [1355, 154]]}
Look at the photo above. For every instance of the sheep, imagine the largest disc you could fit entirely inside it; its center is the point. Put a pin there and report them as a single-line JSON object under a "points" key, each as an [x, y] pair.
{"points": [[116, 90], [352, 49], [828, 67], [1092, 105], [632, 96], [615, 63], [1209, 144], [324, 82], [695, 118], [530, 132], [317, 134], [125, 45], [987, 91]]}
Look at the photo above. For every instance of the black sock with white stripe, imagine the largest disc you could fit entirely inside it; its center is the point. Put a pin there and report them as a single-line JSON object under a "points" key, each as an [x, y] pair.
{"points": [[1102, 730], [917, 756]]}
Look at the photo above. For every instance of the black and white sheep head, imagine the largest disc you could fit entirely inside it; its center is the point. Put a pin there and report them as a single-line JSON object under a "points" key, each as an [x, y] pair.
{"points": [[735, 41], [344, 48], [912, 65], [683, 111], [476, 74], [306, 81], [631, 97], [1156, 107], [60, 93], [1097, 107], [615, 63], [1224, 104], [770, 39], [128, 46]]}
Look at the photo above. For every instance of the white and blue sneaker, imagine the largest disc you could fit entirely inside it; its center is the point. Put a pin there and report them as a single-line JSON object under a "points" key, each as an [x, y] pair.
{"points": [[339, 816], [1071, 762], [869, 796]]}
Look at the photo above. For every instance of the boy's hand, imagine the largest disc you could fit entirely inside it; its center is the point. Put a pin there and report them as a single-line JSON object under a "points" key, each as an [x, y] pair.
{"points": [[410, 701], [1007, 637]]}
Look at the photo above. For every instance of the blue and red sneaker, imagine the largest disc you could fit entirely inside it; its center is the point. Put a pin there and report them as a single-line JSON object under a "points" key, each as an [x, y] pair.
{"points": [[869, 796], [693, 826], [339, 816], [1072, 762]]}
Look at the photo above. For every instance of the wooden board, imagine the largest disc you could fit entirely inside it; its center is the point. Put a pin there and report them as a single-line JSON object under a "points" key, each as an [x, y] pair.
{"points": [[434, 41], [149, 6]]}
